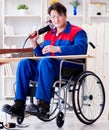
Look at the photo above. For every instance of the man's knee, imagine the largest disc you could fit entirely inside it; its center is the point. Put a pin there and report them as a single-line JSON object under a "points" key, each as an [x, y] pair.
{"points": [[45, 61], [23, 62], [45, 64]]}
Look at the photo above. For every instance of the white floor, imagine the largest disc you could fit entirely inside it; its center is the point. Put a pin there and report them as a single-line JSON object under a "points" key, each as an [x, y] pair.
{"points": [[71, 122]]}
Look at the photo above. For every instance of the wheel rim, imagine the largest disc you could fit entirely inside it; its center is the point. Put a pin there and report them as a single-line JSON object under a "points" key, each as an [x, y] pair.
{"points": [[88, 102]]}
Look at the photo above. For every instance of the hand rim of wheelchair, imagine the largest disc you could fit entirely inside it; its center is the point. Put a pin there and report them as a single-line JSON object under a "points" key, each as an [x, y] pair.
{"points": [[76, 102]]}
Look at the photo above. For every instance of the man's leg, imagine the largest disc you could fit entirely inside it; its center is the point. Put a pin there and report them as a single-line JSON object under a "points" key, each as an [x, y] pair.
{"points": [[48, 70], [26, 71]]}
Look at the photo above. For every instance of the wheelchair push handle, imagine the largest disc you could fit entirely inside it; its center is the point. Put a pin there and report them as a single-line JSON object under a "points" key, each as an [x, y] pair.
{"points": [[92, 45]]}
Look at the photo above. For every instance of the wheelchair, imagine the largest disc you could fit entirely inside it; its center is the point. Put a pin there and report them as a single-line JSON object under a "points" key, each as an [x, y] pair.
{"points": [[86, 90]]}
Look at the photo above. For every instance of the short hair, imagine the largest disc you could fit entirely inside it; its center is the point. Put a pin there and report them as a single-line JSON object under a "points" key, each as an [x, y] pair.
{"points": [[58, 7]]}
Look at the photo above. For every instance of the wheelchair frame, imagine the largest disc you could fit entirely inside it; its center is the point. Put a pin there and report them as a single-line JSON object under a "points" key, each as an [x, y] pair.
{"points": [[83, 96], [88, 96]]}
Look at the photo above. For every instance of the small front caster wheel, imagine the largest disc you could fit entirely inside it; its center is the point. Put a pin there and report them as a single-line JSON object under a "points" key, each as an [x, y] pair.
{"points": [[20, 120], [60, 119]]}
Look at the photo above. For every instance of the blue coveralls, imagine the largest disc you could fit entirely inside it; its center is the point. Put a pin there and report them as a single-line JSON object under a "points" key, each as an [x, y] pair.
{"points": [[46, 70]]}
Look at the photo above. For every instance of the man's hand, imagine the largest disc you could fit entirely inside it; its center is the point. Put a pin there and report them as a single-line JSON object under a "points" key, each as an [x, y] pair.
{"points": [[34, 38], [51, 49]]}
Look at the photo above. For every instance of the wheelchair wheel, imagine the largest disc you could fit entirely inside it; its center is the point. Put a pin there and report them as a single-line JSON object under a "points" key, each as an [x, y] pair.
{"points": [[60, 119], [88, 97], [19, 120]]}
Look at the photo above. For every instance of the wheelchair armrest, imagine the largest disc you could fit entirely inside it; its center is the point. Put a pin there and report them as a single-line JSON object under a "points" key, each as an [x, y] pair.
{"points": [[74, 61], [67, 72], [77, 60]]}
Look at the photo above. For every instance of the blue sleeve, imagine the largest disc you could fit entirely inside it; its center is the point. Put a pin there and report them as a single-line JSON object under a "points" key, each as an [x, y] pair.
{"points": [[38, 51], [78, 47]]}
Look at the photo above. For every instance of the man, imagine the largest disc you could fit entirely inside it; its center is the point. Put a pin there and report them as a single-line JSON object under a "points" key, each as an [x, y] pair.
{"points": [[63, 39]]}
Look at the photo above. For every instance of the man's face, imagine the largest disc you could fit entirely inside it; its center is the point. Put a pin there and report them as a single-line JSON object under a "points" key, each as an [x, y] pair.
{"points": [[57, 19]]}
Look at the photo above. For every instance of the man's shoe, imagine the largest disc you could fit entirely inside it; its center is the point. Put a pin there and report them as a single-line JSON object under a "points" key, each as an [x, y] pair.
{"points": [[18, 109], [6, 109], [32, 109], [44, 107], [41, 109]]}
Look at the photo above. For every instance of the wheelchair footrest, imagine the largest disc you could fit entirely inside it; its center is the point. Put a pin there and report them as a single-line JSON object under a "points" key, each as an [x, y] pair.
{"points": [[32, 109]]}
